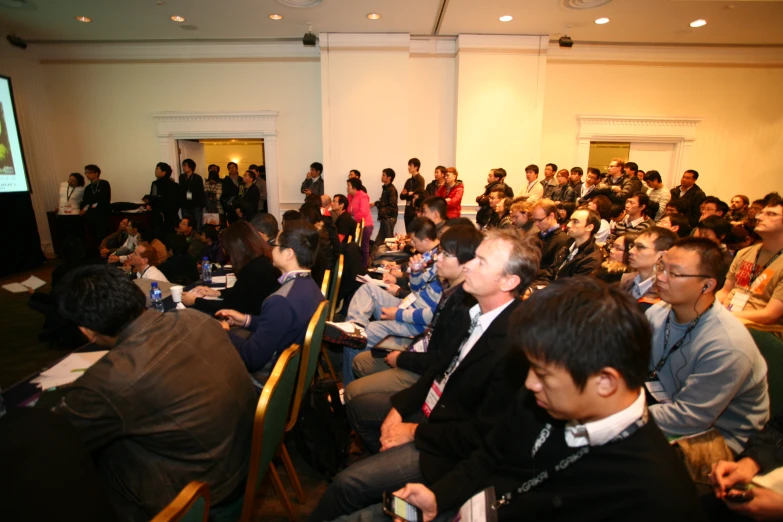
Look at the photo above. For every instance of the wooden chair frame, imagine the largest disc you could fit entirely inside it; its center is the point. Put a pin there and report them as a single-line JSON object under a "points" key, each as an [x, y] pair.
{"points": [[359, 232], [182, 503], [325, 283]]}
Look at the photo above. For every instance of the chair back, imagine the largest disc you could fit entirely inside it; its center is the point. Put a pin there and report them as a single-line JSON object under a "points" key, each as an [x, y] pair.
{"points": [[191, 505], [334, 290], [359, 231], [270, 421], [325, 283], [309, 361], [771, 348]]}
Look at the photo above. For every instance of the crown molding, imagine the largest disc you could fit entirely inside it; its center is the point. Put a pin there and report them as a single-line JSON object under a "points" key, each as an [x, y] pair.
{"points": [[667, 55], [173, 52], [653, 127], [365, 42]]}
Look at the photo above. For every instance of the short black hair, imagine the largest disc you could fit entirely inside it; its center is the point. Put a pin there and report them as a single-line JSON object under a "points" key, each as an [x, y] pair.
{"points": [[166, 168], [213, 175], [356, 183], [532, 167], [436, 204], [633, 166], [642, 198], [558, 325], [232, 163], [593, 170], [341, 200], [301, 237], [712, 262], [358, 174], [266, 223], [216, 167], [92, 168], [100, 298], [554, 167], [190, 163], [423, 228], [653, 175], [461, 241], [717, 224], [695, 174], [772, 199], [455, 222], [251, 174], [415, 162], [664, 238], [147, 235], [680, 221], [680, 205], [317, 166], [616, 211], [188, 217], [390, 174], [577, 170], [79, 179], [290, 216]]}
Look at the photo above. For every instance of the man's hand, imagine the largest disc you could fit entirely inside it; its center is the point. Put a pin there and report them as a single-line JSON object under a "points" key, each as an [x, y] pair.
{"points": [[225, 325], [392, 418], [416, 258], [404, 191], [114, 259], [307, 192], [396, 272], [388, 313], [189, 298], [765, 504], [616, 188], [726, 474], [104, 252], [421, 497], [391, 359], [233, 317], [397, 435]]}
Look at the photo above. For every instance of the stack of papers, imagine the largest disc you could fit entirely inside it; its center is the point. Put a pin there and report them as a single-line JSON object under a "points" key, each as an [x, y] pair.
{"points": [[368, 279], [350, 328], [32, 283], [67, 370]]}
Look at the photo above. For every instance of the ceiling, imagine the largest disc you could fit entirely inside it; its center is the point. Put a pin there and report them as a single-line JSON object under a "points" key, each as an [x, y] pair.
{"points": [[730, 22]]}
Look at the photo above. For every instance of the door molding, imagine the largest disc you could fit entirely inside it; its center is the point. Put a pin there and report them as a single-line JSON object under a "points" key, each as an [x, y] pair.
{"points": [[680, 131], [172, 126]]}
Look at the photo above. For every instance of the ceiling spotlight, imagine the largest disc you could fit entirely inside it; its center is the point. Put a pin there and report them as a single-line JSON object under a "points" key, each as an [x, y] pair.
{"points": [[602, 21], [506, 18], [276, 17], [699, 23], [374, 16], [83, 19], [178, 19]]}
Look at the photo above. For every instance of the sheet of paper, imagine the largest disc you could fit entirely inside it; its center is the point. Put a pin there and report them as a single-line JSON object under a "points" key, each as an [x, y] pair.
{"points": [[772, 480], [370, 280], [218, 279], [212, 298], [181, 306], [349, 328], [33, 282], [68, 370], [15, 288]]}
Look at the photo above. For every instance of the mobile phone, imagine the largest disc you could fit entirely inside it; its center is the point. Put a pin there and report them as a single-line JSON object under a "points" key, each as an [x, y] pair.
{"points": [[739, 494], [397, 507]]}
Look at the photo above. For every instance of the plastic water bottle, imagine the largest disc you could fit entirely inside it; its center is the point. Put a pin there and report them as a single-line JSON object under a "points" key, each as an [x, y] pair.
{"points": [[206, 270], [156, 300], [426, 259]]}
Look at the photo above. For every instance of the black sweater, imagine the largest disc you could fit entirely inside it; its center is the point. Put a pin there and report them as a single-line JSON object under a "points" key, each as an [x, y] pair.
{"points": [[194, 185], [639, 478], [255, 282], [766, 447]]}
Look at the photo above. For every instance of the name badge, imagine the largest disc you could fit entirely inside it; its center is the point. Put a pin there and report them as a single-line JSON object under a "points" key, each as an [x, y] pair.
{"points": [[480, 508], [436, 390], [738, 302], [94, 205], [407, 301], [655, 388], [419, 346], [188, 195]]}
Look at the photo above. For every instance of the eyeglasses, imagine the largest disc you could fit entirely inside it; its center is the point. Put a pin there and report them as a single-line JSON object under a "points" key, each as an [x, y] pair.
{"points": [[768, 213], [539, 220], [661, 268]]}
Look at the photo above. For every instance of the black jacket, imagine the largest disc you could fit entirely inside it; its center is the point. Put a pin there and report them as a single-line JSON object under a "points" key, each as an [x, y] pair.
{"points": [[229, 193], [315, 187], [413, 184], [98, 194], [432, 188], [164, 198], [484, 212], [345, 224], [255, 282], [637, 478], [550, 246], [586, 261], [194, 185], [694, 196], [248, 203], [387, 205], [476, 393]]}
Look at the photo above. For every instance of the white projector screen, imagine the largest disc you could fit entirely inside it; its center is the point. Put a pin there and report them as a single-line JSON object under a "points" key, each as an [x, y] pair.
{"points": [[13, 176]]}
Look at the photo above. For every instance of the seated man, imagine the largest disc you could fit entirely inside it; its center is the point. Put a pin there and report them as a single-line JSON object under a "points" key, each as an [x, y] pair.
{"points": [[345, 224], [544, 215], [286, 313], [143, 261], [180, 267], [636, 218], [580, 256], [435, 208], [399, 370], [131, 240], [425, 430], [646, 250], [754, 285], [395, 316], [579, 443], [677, 223], [115, 240], [136, 408], [188, 231], [705, 370]]}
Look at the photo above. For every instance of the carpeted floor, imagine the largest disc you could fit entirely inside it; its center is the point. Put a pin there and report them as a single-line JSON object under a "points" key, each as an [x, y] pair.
{"points": [[21, 354]]}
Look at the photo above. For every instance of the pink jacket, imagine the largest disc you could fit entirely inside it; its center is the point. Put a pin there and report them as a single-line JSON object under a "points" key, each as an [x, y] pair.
{"points": [[359, 207], [454, 196]]}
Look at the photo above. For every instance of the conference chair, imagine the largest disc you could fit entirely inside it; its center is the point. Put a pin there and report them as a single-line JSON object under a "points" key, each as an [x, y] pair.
{"points": [[268, 430], [191, 505], [359, 231], [334, 293], [307, 367], [771, 348], [325, 283]]}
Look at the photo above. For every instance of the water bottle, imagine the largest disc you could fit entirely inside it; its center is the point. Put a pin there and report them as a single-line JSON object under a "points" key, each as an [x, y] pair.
{"points": [[426, 259], [156, 300], [206, 271]]}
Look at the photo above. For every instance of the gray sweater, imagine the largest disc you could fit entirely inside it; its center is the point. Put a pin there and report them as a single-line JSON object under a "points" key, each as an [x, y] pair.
{"points": [[718, 378]]}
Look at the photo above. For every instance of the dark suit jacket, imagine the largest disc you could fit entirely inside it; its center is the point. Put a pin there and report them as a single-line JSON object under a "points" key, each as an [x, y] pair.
{"points": [[194, 185], [249, 202], [98, 194], [694, 196], [171, 402], [346, 225], [230, 192], [164, 198], [255, 282], [550, 246], [476, 393], [586, 262]]}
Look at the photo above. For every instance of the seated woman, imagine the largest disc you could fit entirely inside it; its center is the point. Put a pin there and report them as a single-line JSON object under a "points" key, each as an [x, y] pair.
{"points": [[503, 210], [563, 192], [256, 277]]}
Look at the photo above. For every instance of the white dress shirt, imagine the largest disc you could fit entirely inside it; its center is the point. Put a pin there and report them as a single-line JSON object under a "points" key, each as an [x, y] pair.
{"points": [[484, 320], [598, 433], [152, 273]]}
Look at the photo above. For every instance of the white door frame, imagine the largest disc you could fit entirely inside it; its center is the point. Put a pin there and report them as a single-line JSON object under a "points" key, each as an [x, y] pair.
{"points": [[172, 126], [680, 131]]}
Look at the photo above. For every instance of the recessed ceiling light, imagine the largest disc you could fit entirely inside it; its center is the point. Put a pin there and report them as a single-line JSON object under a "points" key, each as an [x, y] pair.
{"points": [[178, 19], [276, 17], [83, 19], [699, 23], [506, 18], [602, 21], [374, 16]]}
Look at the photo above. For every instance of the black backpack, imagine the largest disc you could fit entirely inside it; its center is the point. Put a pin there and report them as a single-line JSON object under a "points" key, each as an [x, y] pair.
{"points": [[322, 431]]}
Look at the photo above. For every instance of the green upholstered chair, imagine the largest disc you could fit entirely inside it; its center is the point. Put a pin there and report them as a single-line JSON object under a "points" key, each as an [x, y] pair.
{"points": [[771, 347], [191, 505]]}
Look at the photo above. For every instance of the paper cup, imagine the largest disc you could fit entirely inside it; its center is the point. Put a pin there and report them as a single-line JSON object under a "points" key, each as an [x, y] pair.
{"points": [[176, 293]]}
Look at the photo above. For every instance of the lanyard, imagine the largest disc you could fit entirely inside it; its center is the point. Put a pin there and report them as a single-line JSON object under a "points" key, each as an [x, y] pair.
{"points": [[545, 475], [455, 361], [68, 193], [753, 274], [654, 373], [96, 187], [141, 275]]}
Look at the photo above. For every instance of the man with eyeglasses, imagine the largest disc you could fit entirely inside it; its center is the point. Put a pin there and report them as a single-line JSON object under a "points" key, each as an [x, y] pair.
{"points": [[754, 285], [705, 370], [617, 185], [646, 250], [581, 256], [544, 215]]}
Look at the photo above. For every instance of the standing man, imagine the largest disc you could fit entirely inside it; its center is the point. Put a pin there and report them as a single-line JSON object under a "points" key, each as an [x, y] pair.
{"points": [[754, 285], [192, 189], [313, 183], [452, 192], [587, 189], [96, 205], [230, 193], [575, 180], [632, 171], [412, 186], [636, 218], [163, 200], [691, 194], [343, 222], [657, 193], [387, 207], [261, 184], [549, 183], [533, 191], [435, 184]]}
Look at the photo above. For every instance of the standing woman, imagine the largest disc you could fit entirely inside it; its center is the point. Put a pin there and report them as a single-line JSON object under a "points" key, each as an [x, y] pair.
{"points": [[71, 194], [359, 208], [452, 192], [96, 206], [213, 189]]}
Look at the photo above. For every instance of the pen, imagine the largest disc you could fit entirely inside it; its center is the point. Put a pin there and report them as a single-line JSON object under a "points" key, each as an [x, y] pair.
{"points": [[77, 370]]}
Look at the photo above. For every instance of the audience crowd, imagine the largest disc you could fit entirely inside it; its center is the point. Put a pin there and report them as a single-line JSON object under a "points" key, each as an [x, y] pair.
{"points": [[580, 351]]}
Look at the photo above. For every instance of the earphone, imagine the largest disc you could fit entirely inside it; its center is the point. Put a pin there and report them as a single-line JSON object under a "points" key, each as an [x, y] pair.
{"points": [[704, 288]]}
